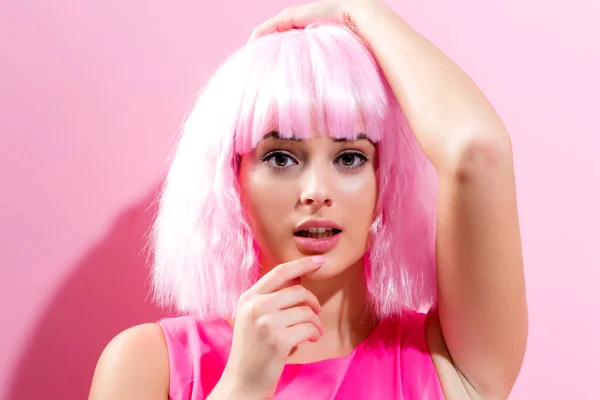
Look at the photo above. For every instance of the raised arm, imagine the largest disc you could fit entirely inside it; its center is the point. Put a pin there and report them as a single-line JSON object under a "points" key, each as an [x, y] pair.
{"points": [[482, 304]]}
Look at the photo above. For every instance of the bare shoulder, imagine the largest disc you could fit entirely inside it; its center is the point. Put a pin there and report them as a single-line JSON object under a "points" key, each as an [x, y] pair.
{"points": [[454, 384], [134, 365]]}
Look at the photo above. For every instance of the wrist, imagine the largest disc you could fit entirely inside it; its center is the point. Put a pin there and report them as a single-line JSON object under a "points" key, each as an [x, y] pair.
{"points": [[364, 14], [229, 388], [373, 21]]}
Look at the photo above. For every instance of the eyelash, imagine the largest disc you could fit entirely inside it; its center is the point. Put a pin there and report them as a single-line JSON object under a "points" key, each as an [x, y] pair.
{"points": [[270, 155]]}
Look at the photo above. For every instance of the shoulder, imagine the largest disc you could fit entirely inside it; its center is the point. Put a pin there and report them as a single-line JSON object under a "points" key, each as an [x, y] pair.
{"points": [[134, 365]]}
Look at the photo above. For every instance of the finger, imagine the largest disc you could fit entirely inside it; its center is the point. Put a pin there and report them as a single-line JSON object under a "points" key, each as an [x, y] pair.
{"points": [[283, 273], [290, 18], [291, 297], [300, 333], [298, 315], [280, 23], [283, 319]]}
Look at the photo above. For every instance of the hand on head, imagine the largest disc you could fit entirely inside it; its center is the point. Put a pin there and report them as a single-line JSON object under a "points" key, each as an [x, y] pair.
{"points": [[299, 17]]}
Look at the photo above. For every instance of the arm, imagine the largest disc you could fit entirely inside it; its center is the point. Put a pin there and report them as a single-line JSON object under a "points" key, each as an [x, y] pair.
{"points": [[482, 311], [482, 306], [134, 365]]}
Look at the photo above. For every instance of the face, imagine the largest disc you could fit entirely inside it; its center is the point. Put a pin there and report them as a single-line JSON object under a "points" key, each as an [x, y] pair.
{"points": [[309, 197]]}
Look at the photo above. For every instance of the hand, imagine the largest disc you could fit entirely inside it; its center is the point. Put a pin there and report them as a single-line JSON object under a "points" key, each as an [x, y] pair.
{"points": [[275, 315], [299, 17]]}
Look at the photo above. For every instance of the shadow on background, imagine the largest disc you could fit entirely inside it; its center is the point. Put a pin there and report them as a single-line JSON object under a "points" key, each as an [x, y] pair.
{"points": [[109, 291]]}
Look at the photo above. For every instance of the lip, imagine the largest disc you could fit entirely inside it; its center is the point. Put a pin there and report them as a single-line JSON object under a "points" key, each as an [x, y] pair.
{"points": [[317, 246], [318, 223], [320, 245]]}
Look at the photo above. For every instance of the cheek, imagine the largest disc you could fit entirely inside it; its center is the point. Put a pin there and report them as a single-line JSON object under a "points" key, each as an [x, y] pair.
{"points": [[359, 192], [360, 189], [265, 200], [353, 184]]}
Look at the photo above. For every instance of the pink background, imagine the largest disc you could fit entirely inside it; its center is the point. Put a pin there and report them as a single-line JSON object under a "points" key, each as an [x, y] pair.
{"points": [[91, 96]]}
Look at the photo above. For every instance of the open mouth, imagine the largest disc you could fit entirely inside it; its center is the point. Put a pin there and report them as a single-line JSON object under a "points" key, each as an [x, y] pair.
{"points": [[317, 233]]}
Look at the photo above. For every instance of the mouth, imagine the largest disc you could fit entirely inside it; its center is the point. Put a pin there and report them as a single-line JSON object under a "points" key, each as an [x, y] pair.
{"points": [[317, 233], [318, 239]]}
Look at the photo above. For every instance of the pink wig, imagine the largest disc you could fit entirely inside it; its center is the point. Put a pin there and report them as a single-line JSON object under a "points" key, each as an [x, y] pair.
{"points": [[321, 79]]}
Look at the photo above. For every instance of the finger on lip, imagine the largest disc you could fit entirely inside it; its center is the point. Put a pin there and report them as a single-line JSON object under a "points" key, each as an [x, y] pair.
{"points": [[281, 275], [316, 263], [318, 260]]}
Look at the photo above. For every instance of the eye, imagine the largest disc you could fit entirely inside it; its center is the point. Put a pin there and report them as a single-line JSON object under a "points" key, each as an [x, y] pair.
{"points": [[351, 159], [278, 159]]}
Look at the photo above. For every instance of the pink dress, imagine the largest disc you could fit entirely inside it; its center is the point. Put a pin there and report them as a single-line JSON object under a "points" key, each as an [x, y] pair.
{"points": [[392, 363]]}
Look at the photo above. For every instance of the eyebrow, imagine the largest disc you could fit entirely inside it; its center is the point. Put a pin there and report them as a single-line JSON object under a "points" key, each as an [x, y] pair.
{"points": [[275, 135]]}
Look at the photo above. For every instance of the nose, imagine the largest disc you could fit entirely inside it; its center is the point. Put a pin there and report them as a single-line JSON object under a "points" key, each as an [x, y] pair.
{"points": [[316, 188]]}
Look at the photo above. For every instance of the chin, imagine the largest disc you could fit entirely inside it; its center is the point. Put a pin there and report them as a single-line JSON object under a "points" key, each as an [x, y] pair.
{"points": [[324, 273], [334, 266]]}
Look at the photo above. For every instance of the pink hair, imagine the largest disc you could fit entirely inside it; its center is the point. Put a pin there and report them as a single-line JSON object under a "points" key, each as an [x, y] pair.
{"points": [[298, 82]]}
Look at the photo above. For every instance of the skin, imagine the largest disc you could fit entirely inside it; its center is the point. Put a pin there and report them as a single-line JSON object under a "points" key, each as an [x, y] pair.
{"points": [[316, 179], [478, 335], [310, 179]]}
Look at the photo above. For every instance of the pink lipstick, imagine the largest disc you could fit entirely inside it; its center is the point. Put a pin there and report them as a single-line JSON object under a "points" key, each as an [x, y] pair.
{"points": [[317, 236]]}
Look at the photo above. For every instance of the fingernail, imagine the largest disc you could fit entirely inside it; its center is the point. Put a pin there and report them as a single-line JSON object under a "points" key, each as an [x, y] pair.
{"points": [[318, 259]]}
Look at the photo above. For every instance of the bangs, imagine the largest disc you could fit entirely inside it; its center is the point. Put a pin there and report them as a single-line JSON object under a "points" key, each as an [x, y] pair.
{"points": [[309, 82]]}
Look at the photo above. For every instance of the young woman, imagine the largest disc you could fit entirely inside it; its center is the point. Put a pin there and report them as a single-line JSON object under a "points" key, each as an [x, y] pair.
{"points": [[297, 227]]}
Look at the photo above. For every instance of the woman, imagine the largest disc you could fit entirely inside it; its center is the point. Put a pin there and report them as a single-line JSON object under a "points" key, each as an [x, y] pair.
{"points": [[295, 227]]}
